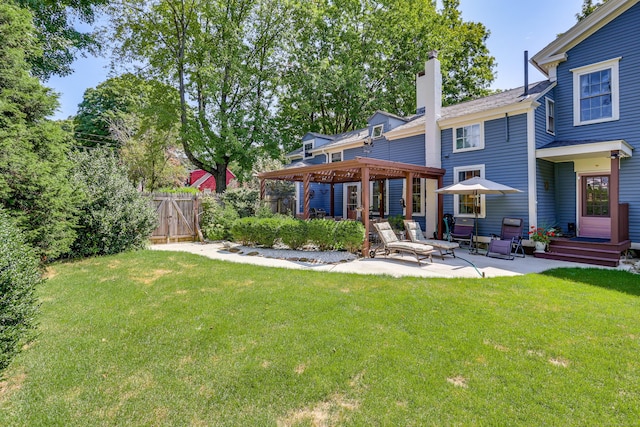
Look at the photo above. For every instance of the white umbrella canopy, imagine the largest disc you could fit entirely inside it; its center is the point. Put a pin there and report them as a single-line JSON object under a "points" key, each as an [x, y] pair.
{"points": [[477, 186]]}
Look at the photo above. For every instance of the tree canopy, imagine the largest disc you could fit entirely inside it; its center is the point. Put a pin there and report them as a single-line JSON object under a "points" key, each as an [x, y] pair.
{"points": [[588, 7], [34, 168], [55, 32]]}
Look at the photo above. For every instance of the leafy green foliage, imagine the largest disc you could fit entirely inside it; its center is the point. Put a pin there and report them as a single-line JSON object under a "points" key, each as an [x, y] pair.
{"points": [[19, 277], [34, 169], [244, 200], [60, 40], [350, 58], [293, 233], [114, 217], [588, 7], [217, 218], [349, 235], [243, 230], [223, 59], [321, 233]]}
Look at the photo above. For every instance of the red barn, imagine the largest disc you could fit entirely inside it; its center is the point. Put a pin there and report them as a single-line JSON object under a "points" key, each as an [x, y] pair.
{"points": [[204, 181]]}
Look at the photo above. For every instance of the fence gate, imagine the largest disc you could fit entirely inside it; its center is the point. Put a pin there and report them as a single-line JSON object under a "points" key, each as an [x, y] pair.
{"points": [[177, 218]]}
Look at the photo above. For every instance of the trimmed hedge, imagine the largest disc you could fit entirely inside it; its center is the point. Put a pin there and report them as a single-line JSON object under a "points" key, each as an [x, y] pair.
{"points": [[295, 233]]}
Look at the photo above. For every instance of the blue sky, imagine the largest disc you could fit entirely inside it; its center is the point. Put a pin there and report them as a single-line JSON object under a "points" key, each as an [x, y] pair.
{"points": [[515, 25]]}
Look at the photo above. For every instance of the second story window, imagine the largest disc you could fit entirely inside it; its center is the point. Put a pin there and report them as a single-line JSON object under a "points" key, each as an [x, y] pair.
{"points": [[596, 93], [336, 157], [468, 138], [551, 116], [376, 132], [308, 147]]}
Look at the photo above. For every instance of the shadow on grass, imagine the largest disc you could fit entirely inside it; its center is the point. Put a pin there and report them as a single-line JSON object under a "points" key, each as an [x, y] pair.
{"points": [[616, 280]]}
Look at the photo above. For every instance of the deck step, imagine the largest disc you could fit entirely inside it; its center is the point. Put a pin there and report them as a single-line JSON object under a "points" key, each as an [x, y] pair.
{"points": [[593, 260]]}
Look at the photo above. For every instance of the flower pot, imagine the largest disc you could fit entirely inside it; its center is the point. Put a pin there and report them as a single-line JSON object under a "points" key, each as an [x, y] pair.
{"points": [[541, 246]]}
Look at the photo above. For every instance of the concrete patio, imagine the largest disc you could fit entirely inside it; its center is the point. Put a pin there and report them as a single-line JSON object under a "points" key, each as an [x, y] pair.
{"points": [[394, 265]]}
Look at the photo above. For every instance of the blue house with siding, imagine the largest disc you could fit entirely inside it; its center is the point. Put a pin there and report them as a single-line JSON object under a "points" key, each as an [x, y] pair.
{"points": [[567, 143]]}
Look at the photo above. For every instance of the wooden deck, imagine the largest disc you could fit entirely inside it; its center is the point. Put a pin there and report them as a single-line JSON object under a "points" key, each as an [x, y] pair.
{"points": [[595, 253]]}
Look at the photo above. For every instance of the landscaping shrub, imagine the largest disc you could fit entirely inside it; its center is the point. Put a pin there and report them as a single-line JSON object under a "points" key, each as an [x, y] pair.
{"points": [[349, 235], [243, 230], [321, 233], [217, 219], [266, 231], [293, 233], [113, 217], [245, 201], [19, 276]]}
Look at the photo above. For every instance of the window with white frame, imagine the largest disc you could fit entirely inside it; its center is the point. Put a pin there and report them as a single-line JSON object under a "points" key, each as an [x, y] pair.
{"points": [[417, 195], [377, 196], [377, 130], [336, 157], [467, 138], [551, 116], [596, 93], [308, 147], [467, 204]]}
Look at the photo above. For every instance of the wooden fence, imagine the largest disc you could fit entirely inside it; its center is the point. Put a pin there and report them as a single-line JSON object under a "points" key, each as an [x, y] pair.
{"points": [[177, 218]]}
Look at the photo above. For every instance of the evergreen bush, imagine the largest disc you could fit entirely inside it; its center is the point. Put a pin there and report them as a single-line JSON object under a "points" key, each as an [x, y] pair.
{"points": [[114, 217], [321, 233], [293, 233], [349, 235], [243, 230], [19, 277]]}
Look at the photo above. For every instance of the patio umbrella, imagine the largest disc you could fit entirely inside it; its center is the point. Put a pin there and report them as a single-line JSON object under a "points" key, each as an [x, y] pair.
{"points": [[477, 186]]}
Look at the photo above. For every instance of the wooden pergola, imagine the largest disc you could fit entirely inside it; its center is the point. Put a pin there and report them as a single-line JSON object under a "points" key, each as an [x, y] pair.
{"points": [[362, 170]]}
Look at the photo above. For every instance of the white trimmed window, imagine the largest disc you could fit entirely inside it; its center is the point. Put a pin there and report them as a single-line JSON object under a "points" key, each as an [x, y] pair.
{"points": [[375, 197], [463, 204], [551, 116], [596, 93], [417, 197], [467, 138], [336, 157], [308, 148], [376, 132]]}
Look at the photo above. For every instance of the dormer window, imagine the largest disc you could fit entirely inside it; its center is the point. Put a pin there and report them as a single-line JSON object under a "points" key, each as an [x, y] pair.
{"points": [[308, 147], [376, 132]]}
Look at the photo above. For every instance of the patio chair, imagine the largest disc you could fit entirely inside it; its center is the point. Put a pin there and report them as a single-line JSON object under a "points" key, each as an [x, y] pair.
{"points": [[462, 231], [509, 243], [391, 244], [414, 231]]}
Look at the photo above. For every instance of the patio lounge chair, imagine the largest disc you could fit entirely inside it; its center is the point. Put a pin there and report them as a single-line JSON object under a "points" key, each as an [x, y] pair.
{"points": [[414, 231], [510, 240], [462, 231], [391, 244]]}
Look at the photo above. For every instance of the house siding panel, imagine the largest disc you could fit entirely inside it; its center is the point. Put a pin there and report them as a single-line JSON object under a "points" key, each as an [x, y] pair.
{"points": [[505, 160], [614, 40], [565, 194], [546, 193], [542, 136]]}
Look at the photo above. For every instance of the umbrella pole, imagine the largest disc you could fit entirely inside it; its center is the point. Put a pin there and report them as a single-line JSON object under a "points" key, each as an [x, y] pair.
{"points": [[475, 211]]}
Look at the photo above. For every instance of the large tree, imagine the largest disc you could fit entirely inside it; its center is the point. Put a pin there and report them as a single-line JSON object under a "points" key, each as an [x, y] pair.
{"points": [[55, 31], [222, 58], [34, 169], [352, 57]]}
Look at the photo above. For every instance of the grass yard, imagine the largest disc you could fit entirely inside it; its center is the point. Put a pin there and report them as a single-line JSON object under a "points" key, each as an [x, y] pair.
{"points": [[157, 338]]}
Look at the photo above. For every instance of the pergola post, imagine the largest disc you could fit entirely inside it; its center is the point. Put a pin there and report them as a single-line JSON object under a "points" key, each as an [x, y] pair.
{"points": [[408, 197], [440, 208], [332, 203], [364, 186], [263, 188], [382, 198], [307, 197]]}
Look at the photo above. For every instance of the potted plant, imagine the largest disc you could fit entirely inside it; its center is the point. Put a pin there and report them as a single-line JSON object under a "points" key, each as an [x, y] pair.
{"points": [[541, 236]]}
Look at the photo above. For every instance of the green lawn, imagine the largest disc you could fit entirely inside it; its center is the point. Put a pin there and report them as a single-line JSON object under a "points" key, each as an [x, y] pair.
{"points": [[158, 338]]}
